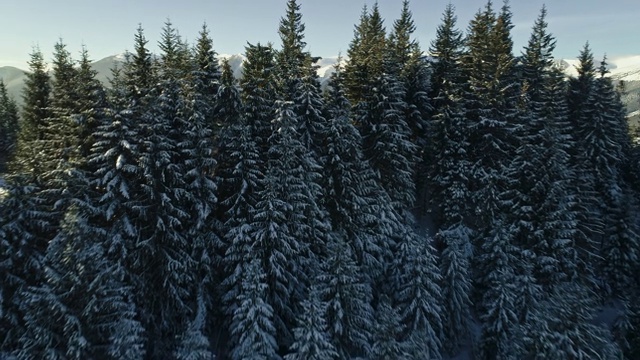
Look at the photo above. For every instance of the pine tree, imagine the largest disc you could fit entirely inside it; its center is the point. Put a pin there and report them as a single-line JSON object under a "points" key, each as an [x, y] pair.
{"points": [[62, 134], [35, 110], [500, 311], [607, 149], [196, 148], [356, 202], [9, 126], [541, 195], [89, 308], [239, 176], [139, 70], [25, 228], [168, 286], [280, 226], [252, 323], [387, 331], [311, 338], [259, 95], [450, 170], [300, 85], [406, 61], [207, 75], [366, 54], [175, 59], [456, 285], [194, 344], [91, 102], [490, 101], [386, 140], [418, 296], [580, 110], [562, 328], [348, 295], [292, 58]]}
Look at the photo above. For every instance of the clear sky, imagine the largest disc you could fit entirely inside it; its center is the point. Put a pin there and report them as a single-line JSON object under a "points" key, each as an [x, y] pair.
{"points": [[106, 27]]}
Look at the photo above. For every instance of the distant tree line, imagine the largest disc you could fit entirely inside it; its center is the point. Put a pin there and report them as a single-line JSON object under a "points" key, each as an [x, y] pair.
{"points": [[181, 213]]}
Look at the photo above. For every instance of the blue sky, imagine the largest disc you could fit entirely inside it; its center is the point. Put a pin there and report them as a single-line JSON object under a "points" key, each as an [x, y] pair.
{"points": [[106, 27]]}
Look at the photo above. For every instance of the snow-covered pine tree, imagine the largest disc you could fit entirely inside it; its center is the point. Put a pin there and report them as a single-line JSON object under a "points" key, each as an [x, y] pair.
{"points": [[449, 171], [291, 59], [418, 296], [456, 285], [541, 195], [562, 327], [299, 84], [90, 105], [280, 227], [163, 256], [25, 228], [61, 134], [408, 63], [449, 180], [228, 113], [490, 100], [239, 176], [580, 112], [253, 320], [386, 140], [196, 149], [378, 96], [608, 147], [138, 73], [348, 295], [311, 340], [356, 202], [207, 75], [387, 332], [499, 313], [194, 344], [85, 307]]}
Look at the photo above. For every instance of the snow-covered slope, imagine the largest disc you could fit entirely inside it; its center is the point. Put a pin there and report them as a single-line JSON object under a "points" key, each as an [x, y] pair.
{"points": [[625, 68]]}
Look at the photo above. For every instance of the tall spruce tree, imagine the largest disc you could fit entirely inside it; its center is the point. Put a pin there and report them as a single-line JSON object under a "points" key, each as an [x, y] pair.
{"points": [[9, 126], [36, 108], [259, 95], [608, 149], [580, 112], [541, 197], [365, 55], [449, 180], [356, 202], [407, 62], [280, 226], [239, 175]]}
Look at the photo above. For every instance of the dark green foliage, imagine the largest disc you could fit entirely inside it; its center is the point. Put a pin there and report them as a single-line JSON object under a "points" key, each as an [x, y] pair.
{"points": [[25, 226], [36, 110], [365, 53], [9, 126], [311, 338], [259, 95]]}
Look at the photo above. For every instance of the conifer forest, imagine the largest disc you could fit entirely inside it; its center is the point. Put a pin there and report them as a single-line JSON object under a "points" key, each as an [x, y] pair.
{"points": [[460, 199]]}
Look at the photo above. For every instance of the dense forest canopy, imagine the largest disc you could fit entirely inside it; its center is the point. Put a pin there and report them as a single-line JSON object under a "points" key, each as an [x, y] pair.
{"points": [[459, 198]]}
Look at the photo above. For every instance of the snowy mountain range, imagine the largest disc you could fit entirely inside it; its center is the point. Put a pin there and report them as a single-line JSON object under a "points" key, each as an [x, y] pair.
{"points": [[621, 68]]}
